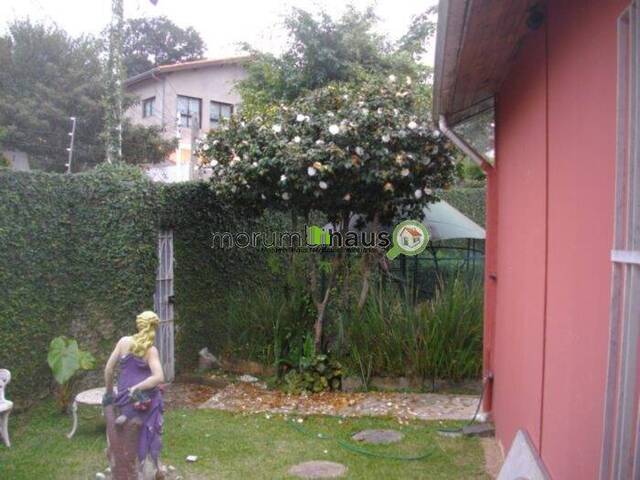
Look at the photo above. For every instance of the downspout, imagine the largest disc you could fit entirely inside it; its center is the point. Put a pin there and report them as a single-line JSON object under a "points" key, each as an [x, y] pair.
{"points": [[490, 276]]}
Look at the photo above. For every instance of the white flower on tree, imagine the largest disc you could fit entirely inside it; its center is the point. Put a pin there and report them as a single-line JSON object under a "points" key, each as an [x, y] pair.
{"points": [[418, 193], [296, 139], [404, 172], [283, 178], [311, 171], [323, 185], [276, 128], [412, 125], [334, 129]]}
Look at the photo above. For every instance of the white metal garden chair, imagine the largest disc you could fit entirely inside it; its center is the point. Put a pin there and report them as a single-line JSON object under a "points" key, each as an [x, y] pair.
{"points": [[5, 406]]}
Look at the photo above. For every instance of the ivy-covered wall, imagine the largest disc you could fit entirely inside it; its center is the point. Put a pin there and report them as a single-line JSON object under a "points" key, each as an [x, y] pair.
{"points": [[78, 258]]}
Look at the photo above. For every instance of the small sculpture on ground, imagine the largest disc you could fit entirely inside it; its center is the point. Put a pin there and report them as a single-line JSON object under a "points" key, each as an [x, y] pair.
{"points": [[134, 414]]}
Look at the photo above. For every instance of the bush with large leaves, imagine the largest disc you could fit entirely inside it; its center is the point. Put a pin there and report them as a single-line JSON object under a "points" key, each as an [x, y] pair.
{"points": [[65, 359]]}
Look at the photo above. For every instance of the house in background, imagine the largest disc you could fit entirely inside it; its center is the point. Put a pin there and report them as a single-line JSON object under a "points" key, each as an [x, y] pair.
{"points": [[18, 160], [185, 100], [562, 300]]}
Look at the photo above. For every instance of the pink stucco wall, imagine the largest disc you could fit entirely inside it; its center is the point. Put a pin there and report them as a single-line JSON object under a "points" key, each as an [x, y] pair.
{"points": [[554, 183]]}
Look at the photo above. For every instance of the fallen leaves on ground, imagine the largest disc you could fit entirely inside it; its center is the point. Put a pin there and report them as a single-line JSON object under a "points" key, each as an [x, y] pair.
{"points": [[255, 398]]}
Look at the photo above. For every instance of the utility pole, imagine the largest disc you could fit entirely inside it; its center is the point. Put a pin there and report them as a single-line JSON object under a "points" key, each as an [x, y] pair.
{"points": [[72, 134], [114, 81], [115, 75]]}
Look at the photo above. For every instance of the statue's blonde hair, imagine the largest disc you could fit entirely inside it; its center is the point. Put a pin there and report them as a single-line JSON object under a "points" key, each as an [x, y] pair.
{"points": [[147, 322]]}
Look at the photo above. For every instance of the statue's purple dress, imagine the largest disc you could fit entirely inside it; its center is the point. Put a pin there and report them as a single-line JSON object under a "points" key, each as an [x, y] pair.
{"points": [[134, 370]]}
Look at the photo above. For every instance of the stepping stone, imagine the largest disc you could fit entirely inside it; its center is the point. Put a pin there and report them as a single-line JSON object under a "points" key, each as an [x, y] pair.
{"points": [[378, 436], [318, 469]]}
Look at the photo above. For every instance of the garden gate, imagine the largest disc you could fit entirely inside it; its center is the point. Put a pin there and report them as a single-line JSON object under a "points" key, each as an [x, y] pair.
{"points": [[163, 304]]}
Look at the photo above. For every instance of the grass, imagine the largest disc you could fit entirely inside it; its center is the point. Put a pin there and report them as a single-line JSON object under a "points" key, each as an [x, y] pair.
{"points": [[235, 446]]}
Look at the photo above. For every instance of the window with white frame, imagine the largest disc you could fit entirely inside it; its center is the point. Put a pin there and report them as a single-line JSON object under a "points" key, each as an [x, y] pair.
{"points": [[148, 107], [621, 440], [219, 111], [189, 111]]}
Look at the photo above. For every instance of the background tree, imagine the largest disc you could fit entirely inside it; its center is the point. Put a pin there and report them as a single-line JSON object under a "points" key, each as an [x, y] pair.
{"points": [[323, 50], [142, 144], [149, 42], [48, 76]]}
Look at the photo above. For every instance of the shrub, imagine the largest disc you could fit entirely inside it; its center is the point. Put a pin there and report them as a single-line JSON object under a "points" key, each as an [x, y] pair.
{"points": [[437, 339], [65, 359]]}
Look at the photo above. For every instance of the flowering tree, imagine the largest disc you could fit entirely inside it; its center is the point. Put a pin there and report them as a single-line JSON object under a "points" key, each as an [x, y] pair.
{"points": [[344, 149]]}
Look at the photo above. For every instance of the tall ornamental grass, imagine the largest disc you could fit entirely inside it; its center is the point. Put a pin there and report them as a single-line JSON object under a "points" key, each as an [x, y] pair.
{"points": [[437, 339]]}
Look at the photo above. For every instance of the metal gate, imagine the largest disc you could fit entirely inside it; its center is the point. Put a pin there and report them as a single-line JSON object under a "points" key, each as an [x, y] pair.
{"points": [[163, 304]]}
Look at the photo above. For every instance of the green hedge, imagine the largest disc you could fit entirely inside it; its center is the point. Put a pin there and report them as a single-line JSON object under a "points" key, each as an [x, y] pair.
{"points": [[469, 200], [78, 258]]}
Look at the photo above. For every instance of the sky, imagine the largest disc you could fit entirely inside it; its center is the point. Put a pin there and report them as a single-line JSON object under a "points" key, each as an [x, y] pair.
{"points": [[221, 23]]}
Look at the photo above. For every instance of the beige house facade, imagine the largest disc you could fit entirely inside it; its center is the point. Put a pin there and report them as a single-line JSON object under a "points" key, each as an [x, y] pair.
{"points": [[186, 100]]}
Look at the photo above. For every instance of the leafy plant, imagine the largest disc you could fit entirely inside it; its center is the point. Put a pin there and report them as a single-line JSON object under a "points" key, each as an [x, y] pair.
{"points": [[314, 373], [438, 339], [65, 359]]}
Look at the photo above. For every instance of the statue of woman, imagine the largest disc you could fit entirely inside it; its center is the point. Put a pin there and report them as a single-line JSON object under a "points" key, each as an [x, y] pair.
{"points": [[134, 413]]}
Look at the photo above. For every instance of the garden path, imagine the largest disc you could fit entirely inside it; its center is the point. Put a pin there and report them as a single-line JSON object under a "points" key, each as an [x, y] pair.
{"points": [[255, 398]]}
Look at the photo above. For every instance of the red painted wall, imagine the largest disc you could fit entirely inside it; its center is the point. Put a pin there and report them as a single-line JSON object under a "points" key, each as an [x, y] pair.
{"points": [[555, 146]]}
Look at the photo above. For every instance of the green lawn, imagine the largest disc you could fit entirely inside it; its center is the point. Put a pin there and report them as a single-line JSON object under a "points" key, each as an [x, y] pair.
{"points": [[234, 446]]}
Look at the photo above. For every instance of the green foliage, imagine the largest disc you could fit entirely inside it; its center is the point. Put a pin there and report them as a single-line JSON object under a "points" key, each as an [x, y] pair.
{"points": [[438, 339], [205, 276], [153, 41], [469, 200], [323, 50], [422, 28], [268, 323], [65, 359], [46, 77], [78, 259], [315, 373], [4, 161], [343, 148], [142, 144]]}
